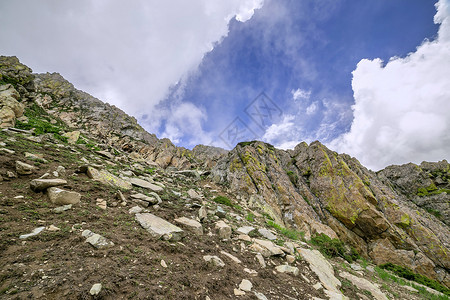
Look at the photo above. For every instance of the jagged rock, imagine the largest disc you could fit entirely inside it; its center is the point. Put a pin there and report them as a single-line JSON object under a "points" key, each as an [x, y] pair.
{"points": [[202, 214], [53, 228], [10, 108], [260, 296], [245, 230], [158, 227], [39, 185], [101, 203], [193, 194], [267, 234], [7, 150], [11, 68], [145, 184], [266, 248], [23, 168], [288, 269], [364, 284], [72, 137], [107, 178], [245, 285], [238, 292], [191, 224], [216, 261], [189, 173], [96, 240], [261, 260], [290, 259], [95, 289], [220, 212], [135, 210], [223, 229], [35, 231], [62, 197]]}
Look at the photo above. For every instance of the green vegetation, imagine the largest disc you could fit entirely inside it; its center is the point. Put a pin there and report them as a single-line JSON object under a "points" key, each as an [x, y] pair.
{"points": [[250, 143], [410, 275], [226, 201], [434, 212], [431, 190], [250, 217], [292, 177], [289, 233], [334, 247]]}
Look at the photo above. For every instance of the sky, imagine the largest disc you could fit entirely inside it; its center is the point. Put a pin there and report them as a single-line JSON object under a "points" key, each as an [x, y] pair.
{"points": [[368, 78]]}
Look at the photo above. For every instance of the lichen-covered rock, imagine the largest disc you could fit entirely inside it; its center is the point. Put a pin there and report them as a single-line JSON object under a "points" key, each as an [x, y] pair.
{"points": [[13, 71], [10, 108]]}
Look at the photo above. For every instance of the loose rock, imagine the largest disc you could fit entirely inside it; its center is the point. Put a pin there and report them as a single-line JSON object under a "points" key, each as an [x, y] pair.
{"points": [[62, 197], [38, 185]]}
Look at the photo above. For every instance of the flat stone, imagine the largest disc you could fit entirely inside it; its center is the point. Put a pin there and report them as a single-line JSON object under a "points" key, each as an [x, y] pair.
{"points": [[232, 257], [288, 269], [145, 184], [245, 285], [214, 260], [190, 224], [290, 258], [24, 168], [202, 214], [267, 234], [60, 209], [52, 228], [7, 150], [96, 240], [260, 296], [146, 198], [72, 137], [107, 178], [35, 231], [238, 292], [223, 229], [266, 248], [101, 203], [105, 154], [38, 185], [96, 289], [324, 270], [364, 284], [193, 194], [35, 157], [245, 230], [62, 197], [261, 260], [135, 210], [356, 267], [159, 227], [220, 212]]}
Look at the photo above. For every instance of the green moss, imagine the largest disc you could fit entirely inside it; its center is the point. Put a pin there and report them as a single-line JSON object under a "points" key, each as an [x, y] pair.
{"points": [[289, 233], [405, 221], [334, 247], [292, 177]]}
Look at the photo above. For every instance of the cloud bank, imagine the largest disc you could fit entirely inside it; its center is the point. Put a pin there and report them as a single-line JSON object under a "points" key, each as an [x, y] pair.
{"points": [[126, 53], [401, 110]]}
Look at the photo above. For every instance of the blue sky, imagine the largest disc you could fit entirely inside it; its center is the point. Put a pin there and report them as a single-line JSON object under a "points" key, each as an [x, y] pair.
{"points": [[368, 78], [289, 45]]}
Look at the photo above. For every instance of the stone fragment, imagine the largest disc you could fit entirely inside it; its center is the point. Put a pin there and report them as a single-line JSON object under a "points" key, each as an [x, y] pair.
{"points": [[159, 227], [39, 185], [146, 198], [202, 214], [190, 224], [96, 289], [52, 228], [101, 203], [261, 260], [72, 137], [35, 157], [260, 296], [96, 240], [245, 285], [288, 269], [290, 259], [7, 150], [135, 210], [267, 234], [60, 209], [245, 230], [214, 260], [238, 292], [193, 194], [10, 174], [266, 248], [163, 263], [145, 184], [364, 284], [24, 168], [62, 197], [35, 231], [232, 257], [220, 212], [223, 229], [105, 154]]}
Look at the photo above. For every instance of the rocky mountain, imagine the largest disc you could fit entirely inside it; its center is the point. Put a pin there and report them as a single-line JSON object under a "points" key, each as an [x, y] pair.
{"points": [[93, 206]]}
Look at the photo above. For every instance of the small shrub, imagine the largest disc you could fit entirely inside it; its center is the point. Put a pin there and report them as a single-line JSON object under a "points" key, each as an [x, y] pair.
{"points": [[333, 247], [289, 233], [250, 217], [226, 201]]}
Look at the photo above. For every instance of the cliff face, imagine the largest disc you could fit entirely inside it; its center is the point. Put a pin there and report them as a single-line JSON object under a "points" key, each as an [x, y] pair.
{"points": [[398, 215], [316, 190]]}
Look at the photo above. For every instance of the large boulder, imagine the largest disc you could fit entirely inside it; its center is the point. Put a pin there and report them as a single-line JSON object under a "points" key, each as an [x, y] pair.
{"points": [[10, 108]]}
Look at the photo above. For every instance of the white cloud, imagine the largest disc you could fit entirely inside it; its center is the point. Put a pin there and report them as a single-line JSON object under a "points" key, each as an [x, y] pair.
{"points": [[401, 110], [311, 108], [127, 53], [300, 94]]}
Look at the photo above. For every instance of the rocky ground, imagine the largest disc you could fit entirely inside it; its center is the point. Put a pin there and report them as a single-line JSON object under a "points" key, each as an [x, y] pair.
{"points": [[131, 262]]}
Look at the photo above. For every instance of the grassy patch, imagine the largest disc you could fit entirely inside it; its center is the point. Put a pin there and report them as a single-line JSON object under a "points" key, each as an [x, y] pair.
{"points": [[410, 275], [289, 233], [226, 201], [250, 217], [334, 247]]}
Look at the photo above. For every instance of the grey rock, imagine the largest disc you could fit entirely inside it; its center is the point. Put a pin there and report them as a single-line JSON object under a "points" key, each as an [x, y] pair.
{"points": [[245, 285], [146, 198], [214, 260], [62, 197], [96, 240], [364, 284], [60, 209], [245, 230], [267, 234], [190, 224], [159, 227], [223, 229], [35, 231], [288, 269], [220, 212], [38, 185], [96, 289], [202, 214], [135, 210], [24, 168], [145, 184]]}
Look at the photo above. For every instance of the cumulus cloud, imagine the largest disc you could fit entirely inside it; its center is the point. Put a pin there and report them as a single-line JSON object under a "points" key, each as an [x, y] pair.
{"points": [[127, 53], [300, 94], [401, 110]]}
